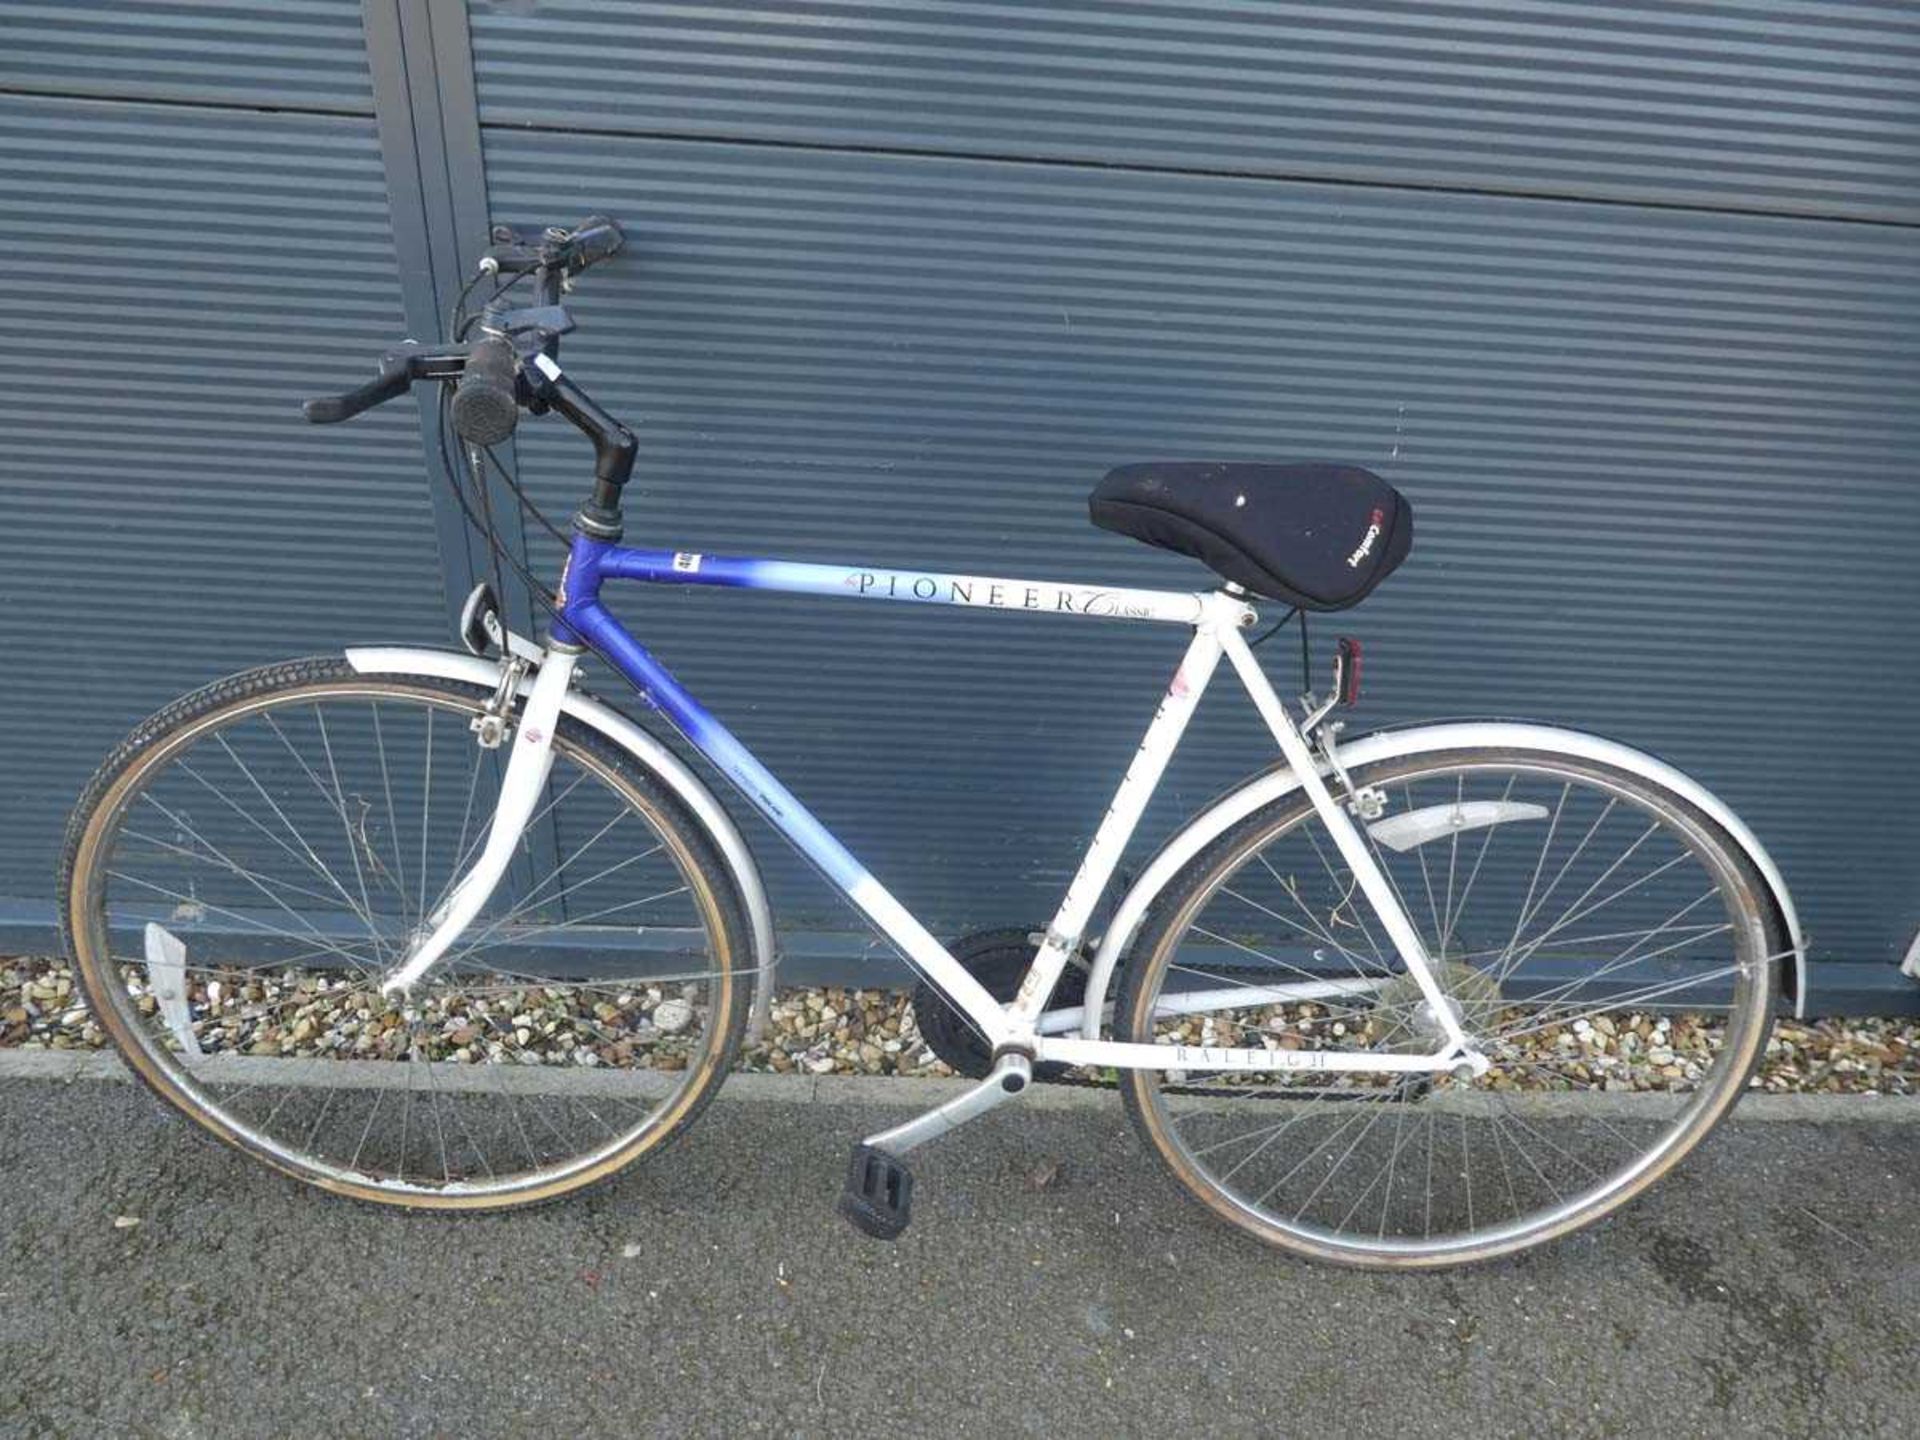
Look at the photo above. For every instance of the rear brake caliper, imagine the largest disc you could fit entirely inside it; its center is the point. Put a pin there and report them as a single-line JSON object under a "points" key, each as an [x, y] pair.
{"points": [[1368, 802]]}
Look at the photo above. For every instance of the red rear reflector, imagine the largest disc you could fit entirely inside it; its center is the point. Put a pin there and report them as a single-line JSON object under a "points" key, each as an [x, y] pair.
{"points": [[1349, 653]]}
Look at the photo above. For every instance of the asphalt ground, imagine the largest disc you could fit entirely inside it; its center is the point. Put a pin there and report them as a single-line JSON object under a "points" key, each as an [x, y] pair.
{"points": [[1053, 1283]]}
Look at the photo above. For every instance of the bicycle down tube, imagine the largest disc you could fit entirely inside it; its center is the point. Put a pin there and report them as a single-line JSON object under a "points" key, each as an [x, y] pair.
{"points": [[1216, 619]]}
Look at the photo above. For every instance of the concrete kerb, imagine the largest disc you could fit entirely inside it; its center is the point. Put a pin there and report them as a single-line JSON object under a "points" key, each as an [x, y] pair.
{"points": [[746, 1087]]}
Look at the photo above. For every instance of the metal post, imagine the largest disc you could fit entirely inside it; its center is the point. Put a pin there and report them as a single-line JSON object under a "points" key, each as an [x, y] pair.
{"points": [[428, 114], [421, 57]]}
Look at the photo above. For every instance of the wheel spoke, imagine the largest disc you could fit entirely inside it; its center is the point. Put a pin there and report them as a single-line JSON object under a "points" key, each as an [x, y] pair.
{"points": [[491, 1082], [393, 818], [362, 911], [1486, 842], [1620, 903]]}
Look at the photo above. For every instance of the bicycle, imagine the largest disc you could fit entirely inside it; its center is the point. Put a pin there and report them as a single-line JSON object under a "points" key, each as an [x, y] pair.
{"points": [[1416, 999]]}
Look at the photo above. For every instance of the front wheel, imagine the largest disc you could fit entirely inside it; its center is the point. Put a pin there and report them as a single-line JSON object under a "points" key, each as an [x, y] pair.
{"points": [[246, 869], [1604, 943]]}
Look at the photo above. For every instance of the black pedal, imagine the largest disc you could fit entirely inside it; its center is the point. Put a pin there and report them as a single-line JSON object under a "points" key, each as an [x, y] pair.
{"points": [[878, 1199]]}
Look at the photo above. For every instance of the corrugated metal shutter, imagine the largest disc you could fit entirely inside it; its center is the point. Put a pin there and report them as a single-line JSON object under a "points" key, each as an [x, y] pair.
{"points": [[1622, 295], [291, 55], [183, 276], [1661, 450], [1806, 108]]}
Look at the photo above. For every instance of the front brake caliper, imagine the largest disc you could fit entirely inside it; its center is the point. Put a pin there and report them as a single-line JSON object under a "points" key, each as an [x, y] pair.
{"points": [[493, 724]]}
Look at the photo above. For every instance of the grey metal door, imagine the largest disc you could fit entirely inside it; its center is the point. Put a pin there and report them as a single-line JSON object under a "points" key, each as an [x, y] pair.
{"points": [[1622, 296]]}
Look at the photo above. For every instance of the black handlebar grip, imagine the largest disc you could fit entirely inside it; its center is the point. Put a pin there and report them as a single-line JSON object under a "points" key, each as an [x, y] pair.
{"points": [[593, 240], [484, 407]]}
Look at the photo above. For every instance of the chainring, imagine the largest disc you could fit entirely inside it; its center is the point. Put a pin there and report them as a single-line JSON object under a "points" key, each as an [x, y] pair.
{"points": [[999, 960]]}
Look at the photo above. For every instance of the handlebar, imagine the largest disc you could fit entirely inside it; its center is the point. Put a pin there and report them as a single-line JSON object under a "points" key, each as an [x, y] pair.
{"points": [[491, 384], [487, 398]]}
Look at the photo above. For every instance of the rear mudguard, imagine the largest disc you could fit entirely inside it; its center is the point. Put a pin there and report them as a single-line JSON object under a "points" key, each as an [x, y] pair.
{"points": [[1273, 784], [646, 751]]}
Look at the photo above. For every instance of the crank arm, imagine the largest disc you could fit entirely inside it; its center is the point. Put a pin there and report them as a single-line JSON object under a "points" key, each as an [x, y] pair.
{"points": [[1012, 1073]]}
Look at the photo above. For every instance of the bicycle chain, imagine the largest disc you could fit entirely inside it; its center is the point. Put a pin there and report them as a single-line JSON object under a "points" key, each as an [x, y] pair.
{"points": [[1086, 1082]]}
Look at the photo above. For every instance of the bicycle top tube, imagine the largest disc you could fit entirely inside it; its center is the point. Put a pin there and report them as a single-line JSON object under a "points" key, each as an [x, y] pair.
{"points": [[591, 561]]}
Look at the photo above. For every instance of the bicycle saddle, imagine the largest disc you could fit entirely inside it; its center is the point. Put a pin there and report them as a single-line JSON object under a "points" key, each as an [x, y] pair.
{"points": [[1316, 535]]}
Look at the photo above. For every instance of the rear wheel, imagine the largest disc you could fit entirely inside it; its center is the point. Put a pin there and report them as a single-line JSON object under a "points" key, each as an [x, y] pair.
{"points": [[1604, 943], [243, 872]]}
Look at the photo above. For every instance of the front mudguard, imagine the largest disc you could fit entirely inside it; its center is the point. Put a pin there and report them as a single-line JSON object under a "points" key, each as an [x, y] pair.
{"points": [[647, 752]]}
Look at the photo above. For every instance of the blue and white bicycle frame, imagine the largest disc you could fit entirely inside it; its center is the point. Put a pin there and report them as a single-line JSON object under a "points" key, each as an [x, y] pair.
{"points": [[1022, 1032]]}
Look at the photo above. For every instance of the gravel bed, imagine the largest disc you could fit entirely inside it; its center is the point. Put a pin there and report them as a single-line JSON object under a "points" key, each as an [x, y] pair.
{"points": [[841, 1031], [814, 1031]]}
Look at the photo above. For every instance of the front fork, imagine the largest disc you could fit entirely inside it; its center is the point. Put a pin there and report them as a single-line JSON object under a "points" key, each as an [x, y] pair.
{"points": [[528, 765]]}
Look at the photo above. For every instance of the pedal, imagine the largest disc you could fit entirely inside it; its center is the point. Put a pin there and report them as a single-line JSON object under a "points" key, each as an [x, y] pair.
{"points": [[878, 1199]]}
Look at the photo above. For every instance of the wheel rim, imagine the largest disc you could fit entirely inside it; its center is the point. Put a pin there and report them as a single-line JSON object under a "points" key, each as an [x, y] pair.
{"points": [[1592, 930], [292, 843]]}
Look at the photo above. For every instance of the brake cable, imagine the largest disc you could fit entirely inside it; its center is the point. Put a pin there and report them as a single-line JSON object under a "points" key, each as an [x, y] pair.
{"points": [[1306, 654], [526, 503], [536, 587], [459, 320]]}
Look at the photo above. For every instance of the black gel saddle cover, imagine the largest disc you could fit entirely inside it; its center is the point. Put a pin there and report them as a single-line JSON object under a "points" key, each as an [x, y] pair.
{"points": [[1316, 535]]}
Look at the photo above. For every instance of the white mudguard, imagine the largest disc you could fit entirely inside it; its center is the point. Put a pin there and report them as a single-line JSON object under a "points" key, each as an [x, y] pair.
{"points": [[649, 753], [1421, 740]]}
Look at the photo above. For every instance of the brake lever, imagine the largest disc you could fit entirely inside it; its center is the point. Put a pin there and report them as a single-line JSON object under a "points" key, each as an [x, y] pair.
{"points": [[594, 239], [399, 368], [519, 248]]}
